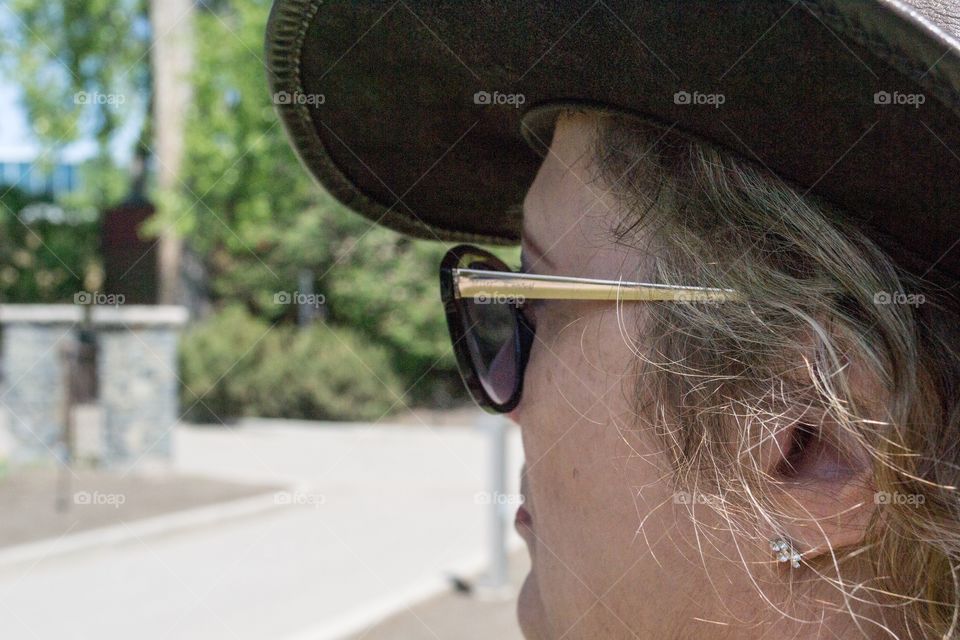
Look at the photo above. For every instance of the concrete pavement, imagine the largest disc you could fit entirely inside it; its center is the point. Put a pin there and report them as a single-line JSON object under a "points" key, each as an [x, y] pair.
{"points": [[456, 615], [379, 517]]}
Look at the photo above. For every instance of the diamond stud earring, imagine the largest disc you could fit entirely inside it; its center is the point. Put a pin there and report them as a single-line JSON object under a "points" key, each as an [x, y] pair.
{"points": [[785, 552]]}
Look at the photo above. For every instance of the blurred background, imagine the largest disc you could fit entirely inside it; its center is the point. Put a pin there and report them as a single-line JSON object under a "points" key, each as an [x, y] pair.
{"points": [[228, 406]]}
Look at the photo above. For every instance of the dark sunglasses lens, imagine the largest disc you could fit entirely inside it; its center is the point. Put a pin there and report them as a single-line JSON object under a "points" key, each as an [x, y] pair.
{"points": [[490, 333]]}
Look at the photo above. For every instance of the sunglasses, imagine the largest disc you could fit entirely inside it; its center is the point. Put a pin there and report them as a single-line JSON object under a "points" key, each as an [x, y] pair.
{"points": [[483, 300]]}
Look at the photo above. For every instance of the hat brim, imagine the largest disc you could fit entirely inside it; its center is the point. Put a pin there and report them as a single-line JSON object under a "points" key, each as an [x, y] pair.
{"points": [[420, 115]]}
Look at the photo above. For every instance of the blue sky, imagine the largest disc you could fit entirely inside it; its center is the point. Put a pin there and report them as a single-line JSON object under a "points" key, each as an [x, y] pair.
{"points": [[17, 141], [19, 144]]}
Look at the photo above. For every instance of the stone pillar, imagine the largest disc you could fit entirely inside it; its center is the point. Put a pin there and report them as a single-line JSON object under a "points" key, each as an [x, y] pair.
{"points": [[32, 390], [136, 376]]}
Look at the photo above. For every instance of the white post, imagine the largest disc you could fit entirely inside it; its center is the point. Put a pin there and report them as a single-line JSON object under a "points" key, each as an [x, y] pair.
{"points": [[495, 427]]}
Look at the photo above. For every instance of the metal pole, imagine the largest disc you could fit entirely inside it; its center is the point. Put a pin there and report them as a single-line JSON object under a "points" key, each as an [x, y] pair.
{"points": [[306, 305], [500, 507], [63, 448], [78, 382]]}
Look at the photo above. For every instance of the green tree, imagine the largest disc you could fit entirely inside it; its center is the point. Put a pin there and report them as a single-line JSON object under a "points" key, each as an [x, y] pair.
{"points": [[88, 70], [42, 260], [83, 69], [253, 211], [79, 67]]}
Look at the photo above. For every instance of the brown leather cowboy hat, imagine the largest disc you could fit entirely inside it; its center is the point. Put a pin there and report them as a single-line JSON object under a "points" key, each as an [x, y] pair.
{"points": [[421, 115]]}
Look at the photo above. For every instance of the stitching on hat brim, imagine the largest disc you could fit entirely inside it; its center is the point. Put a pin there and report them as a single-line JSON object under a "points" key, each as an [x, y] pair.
{"points": [[286, 31]]}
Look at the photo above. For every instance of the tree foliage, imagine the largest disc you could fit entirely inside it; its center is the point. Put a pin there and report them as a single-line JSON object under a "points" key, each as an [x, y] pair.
{"points": [[253, 211], [42, 260], [81, 71], [82, 66]]}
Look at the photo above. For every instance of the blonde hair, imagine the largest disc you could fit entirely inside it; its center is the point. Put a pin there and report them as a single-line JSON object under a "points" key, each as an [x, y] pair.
{"points": [[827, 303]]}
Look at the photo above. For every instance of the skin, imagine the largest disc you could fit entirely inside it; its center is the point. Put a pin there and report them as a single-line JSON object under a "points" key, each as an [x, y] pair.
{"points": [[613, 553]]}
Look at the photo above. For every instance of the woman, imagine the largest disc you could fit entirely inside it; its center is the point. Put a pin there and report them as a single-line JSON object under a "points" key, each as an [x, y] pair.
{"points": [[744, 424]]}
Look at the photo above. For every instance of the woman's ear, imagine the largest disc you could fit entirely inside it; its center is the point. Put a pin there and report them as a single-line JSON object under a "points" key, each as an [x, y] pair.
{"points": [[823, 493], [820, 477]]}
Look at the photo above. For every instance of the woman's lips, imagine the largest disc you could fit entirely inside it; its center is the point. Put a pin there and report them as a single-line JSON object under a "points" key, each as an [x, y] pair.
{"points": [[523, 520]]}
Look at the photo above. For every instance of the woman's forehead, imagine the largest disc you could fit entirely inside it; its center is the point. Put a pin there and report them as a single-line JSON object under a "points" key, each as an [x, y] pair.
{"points": [[568, 213]]}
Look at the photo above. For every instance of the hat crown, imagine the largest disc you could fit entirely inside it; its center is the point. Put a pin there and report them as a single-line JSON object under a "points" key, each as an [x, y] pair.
{"points": [[858, 101]]}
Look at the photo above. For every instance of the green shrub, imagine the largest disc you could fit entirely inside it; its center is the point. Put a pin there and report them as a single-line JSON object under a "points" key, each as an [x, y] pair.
{"points": [[240, 366], [214, 354]]}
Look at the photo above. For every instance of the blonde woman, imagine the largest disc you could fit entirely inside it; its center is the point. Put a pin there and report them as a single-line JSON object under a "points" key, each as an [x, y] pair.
{"points": [[733, 346]]}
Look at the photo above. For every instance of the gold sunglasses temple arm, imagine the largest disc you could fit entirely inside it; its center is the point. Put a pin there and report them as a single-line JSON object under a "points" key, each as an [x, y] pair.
{"points": [[491, 288]]}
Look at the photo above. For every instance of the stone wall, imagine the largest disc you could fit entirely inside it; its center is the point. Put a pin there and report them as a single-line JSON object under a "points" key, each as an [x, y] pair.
{"points": [[136, 375]]}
